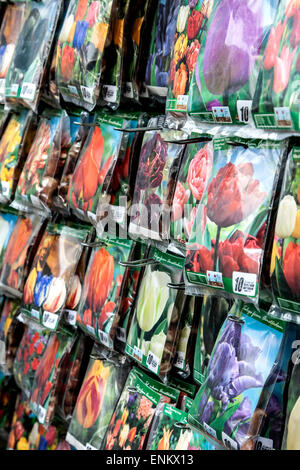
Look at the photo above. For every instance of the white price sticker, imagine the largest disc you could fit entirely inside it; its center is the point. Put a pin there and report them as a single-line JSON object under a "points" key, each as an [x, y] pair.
{"points": [[28, 91], [109, 93], [283, 117], [50, 320], [14, 89], [72, 89], [128, 90], [35, 314], [137, 353], [104, 338], [71, 317], [152, 362], [263, 443], [215, 279], [210, 430], [5, 188], [244, 283], [244, 108], [2, 352], [41, 414], [228, 442], [2, 88], [179, 363], [121, 334], [87, 94], [90, 447]]}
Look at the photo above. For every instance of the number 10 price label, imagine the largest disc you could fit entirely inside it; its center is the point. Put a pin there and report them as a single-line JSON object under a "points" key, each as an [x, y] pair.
{"points": [[244, 283], [244, 108]]}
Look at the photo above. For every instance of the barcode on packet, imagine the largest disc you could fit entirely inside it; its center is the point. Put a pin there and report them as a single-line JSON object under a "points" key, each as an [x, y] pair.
{"points": [[28, 91], [152, 362], [109, 93], [87, 94], [50, 320], [104, 338], [121, 334]]}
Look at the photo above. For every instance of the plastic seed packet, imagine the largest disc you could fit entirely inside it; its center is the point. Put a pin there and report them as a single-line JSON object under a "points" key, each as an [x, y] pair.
{"points": [[81, 131], [26, 70], [213, 313], [7, 222], [43, 399], [80, 49], [38, 179], [94, 168], [168, 393], [11, 331], [48, 283], [16, 259], [225, 250], [11, 26], [153, 334], [191, 27], [158, 64], [170, 431], [103, 383], [275, 102], [240, 365], [22, 424], [132, 417], [101, 296], [225, 74], [194, 173], [159, 164], [28, 357], [284, 266], [14, 145], [112, 60]]}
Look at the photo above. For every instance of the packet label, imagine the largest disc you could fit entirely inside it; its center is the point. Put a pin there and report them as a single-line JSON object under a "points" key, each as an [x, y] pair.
{"points": [[2, 88], [152, 362], [121, 334], [28, 91], [14, 89], [50, 320], [215, 279], [110, 93], [41, 414], [283, 117], [179, 360], [244, 108], [228, 442], [222, 114], [104, 338], [5, 188], [137, 353], [209, 430], [244, 283], [35, 313], [71, 317], [87, 94]]}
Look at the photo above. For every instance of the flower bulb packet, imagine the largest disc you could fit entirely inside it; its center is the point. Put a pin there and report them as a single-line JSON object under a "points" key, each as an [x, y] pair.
{"points": [[112, 60], [101, 389], [154, 330], [80, 48], [158, 63], [101, 297], [80, 133], [213, 313], [284, 269], [52, 271], [11, 26], [22, 424], [95, 166], [242, 360], [275, 102], [28, 357], [194, 173], [11, 332], [14, 146], [132, 417], [26, 70], [38, 179], [170, 431], [18, 254], [43, 398], [7, 222], [225, 250], [224, 78], [155, 183], [191, 28], [168, 394]]}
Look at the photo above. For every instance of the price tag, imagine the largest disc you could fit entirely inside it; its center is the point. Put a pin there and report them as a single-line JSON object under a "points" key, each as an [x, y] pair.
{"points": [[104, 338], [28, 91], [215, 279], [2, 88], [14, 89], [222, 114], [71, 317], [72, 89], [244, 283], [209, 430], [109, 93], [283, 117], [244, 108], [121, 334], [152, 362], [5, 188], [182, 102], [35, 314], [41, 414], [228, 442], [87, 94], [262, 443], [137, 354], [179, 360], [2, 352], [128, 90], [50, 320], [90, 447]]}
